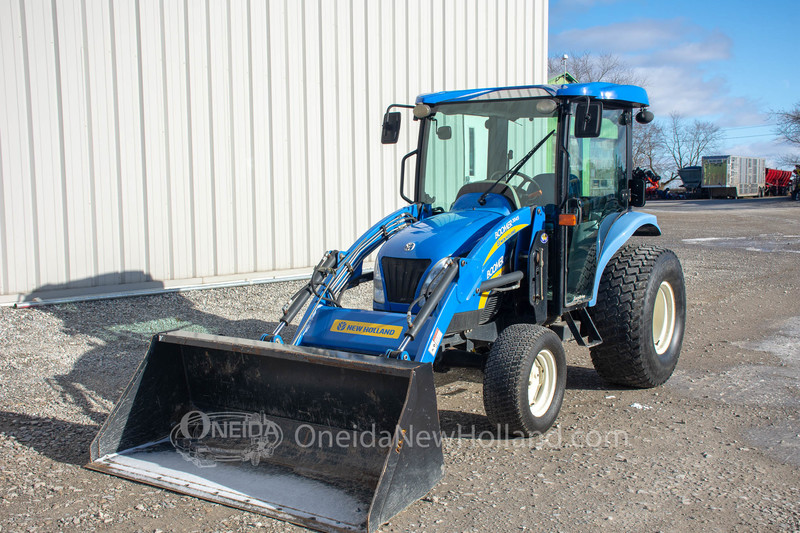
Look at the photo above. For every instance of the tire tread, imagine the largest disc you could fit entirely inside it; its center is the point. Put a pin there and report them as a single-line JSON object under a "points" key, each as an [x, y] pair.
{"points": [[503, 374], [619, 358]]}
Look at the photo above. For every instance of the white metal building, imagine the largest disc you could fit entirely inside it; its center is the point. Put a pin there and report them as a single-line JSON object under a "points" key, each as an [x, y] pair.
{"points": [[165, 143]]}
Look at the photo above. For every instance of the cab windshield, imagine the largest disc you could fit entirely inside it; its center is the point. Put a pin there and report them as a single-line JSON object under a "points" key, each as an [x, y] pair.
{"points": [[469, 145]]}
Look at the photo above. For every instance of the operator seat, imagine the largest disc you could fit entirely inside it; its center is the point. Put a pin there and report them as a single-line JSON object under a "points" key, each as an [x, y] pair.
{"points": [[484, 185]]}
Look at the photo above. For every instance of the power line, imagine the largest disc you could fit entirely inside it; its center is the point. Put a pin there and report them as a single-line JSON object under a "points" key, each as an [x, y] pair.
{"points": [[748, 127], [748, 136]]}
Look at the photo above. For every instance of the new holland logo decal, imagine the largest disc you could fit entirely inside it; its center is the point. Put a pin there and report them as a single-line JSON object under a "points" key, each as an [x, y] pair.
{"points": [[366, 328]]}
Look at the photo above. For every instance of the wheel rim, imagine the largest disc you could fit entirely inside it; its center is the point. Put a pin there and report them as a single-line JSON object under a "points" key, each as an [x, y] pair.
{"points": [[542, 383], [663, 318]]}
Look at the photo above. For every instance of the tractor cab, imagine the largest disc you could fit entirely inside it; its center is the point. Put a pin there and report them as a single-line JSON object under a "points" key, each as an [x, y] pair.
{"points": [[560, 151]]}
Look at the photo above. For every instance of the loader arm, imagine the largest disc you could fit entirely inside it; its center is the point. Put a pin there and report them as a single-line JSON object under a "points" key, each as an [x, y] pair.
{"points": [[417, 334], [336, 269]]}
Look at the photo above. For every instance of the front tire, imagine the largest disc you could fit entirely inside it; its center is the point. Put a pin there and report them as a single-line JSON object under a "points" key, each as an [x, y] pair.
{"points": [[640, 314], [524, 380]]}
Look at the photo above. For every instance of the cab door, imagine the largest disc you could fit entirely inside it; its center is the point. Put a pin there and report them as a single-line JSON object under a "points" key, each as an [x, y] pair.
{"points": [[597, 193]]}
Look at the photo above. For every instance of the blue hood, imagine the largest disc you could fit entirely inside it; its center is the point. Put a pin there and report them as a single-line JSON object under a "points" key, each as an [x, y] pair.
{"points": [[442, 235], [407, 258]]}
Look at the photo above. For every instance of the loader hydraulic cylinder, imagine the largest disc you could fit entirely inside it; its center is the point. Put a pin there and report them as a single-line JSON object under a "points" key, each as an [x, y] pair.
{"points": [[301, 297], [447, 277]]}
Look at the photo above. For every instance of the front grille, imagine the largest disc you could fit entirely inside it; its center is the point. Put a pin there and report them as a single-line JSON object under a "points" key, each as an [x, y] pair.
{"points": [[402, 277]]}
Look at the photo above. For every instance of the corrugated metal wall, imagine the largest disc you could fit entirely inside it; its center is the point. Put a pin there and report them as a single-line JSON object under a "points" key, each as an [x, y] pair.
{"points": [[184, 140]]}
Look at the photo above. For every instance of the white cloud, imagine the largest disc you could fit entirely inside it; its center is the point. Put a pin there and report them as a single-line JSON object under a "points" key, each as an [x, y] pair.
{"points": [[673, 55], [682, 90], [715, 47], [649, 41], [625, 37], [687, 65], [772, 151]]}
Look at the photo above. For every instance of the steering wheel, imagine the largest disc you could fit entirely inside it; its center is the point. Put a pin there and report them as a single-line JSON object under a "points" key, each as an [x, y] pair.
{"points": [[534, 190]]}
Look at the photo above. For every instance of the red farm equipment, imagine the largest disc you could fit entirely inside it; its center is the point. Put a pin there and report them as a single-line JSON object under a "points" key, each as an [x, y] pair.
{"points": [[778, 182]]}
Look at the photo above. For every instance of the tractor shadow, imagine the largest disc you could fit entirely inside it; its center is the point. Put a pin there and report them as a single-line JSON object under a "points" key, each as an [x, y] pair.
{"points": [[62, 441], [117, 334], [470, 425], [464, 425], [587, 378]]}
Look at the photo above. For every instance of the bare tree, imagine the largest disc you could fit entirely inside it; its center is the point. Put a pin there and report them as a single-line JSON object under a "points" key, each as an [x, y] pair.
{"points": [[789, 129], [660, 147], [588, 67], [789, 124], [685, 143], [789, 160], [648, 147]]}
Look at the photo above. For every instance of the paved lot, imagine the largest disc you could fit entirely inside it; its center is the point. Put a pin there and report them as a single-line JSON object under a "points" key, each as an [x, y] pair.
{"points": [[717, 447]]}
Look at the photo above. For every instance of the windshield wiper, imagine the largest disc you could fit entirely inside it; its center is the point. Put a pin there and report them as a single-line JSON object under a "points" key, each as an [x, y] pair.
{"points": [[515, 169]]}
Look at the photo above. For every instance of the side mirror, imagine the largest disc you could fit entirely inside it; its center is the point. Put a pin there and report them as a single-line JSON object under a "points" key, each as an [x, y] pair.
{"points": [[638, 187], [390, 131], [444, 133], [588, 119]]}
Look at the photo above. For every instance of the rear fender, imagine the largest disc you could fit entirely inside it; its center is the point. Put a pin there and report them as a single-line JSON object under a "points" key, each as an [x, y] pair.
{"points": [[616, 235]]}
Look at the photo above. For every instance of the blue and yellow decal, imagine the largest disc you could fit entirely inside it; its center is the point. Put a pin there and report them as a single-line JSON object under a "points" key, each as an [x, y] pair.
{"points": [[495, 271], [503, 234], [370, 329]]}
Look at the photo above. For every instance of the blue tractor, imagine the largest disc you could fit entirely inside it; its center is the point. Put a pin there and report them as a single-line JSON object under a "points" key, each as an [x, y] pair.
{"points": [[514, 240]]}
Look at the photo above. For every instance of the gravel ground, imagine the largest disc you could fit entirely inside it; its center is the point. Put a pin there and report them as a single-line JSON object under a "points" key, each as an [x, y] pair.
{"points": [[716, 448]]}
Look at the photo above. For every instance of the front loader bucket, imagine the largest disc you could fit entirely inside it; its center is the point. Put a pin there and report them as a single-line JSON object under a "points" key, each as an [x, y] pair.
{"points": [[329, 440]]}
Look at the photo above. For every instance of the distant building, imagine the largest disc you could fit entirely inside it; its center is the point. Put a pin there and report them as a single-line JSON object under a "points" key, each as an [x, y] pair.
{"points": [[562, 79]]}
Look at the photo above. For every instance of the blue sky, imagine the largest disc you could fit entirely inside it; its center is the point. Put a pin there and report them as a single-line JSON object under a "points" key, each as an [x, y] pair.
{"points": [[727, 62]]}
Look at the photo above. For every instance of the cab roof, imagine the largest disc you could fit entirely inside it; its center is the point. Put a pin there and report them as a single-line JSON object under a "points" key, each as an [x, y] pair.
{"points": [[602, 91]]}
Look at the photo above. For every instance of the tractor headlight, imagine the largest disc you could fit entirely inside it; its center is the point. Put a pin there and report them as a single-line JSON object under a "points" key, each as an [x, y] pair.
{"points": [[377, 285], [433, 278]]}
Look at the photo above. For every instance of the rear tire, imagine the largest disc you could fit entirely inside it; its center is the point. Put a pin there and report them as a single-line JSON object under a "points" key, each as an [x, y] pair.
{"points": [[524, 380], [640, 314]]}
